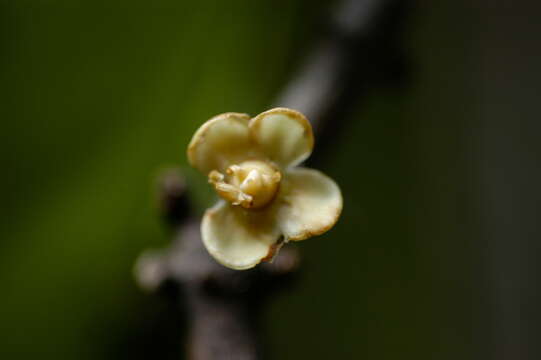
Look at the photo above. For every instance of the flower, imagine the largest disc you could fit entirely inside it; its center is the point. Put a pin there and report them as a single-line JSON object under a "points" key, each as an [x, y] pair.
{"points": [[266, 199]]}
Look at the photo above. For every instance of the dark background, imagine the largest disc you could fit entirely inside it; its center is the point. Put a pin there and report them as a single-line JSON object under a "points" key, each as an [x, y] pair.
{"points": [[435, 256]]}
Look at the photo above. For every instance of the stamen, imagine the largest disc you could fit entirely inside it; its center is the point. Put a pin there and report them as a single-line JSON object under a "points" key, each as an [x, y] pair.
{"points": [[251, 184]]}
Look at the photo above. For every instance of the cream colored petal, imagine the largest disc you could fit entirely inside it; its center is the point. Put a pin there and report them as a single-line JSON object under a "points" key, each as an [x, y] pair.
{"points": [[221, 141], [309, 204], [239, 238], [284, 135]]}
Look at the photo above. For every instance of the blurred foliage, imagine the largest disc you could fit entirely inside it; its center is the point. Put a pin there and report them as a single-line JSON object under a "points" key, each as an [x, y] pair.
{"points": [[99, 95]]}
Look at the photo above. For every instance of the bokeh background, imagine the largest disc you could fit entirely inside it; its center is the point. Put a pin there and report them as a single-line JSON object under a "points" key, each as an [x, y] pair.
{"points": [[435, 256]]}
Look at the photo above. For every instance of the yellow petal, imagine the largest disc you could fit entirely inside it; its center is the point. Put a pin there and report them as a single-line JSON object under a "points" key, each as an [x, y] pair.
{"points": [[221, 141], [239, 238], [284, 135], [309, 204]]}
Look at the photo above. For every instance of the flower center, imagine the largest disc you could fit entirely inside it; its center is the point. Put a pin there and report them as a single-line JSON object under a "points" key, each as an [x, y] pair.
{"points": [[250, 184]]}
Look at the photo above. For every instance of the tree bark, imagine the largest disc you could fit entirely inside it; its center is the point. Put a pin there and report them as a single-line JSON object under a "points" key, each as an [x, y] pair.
{"points": [[223, 305]]}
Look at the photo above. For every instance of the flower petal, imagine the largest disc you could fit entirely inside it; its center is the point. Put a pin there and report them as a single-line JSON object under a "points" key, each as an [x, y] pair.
{"points": [[220, 141], [237, 238], [310, 204], [284, 135]]}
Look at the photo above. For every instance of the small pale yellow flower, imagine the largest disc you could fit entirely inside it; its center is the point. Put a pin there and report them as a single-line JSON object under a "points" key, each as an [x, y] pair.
{"points": [[266, 199]]}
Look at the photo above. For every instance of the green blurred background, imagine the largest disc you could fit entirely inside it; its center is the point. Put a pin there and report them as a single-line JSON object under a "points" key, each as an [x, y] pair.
{"points": [[97, 96]]}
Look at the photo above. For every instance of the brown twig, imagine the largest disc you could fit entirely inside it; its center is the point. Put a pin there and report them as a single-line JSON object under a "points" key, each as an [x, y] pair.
{"points": [[222, 304]]}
